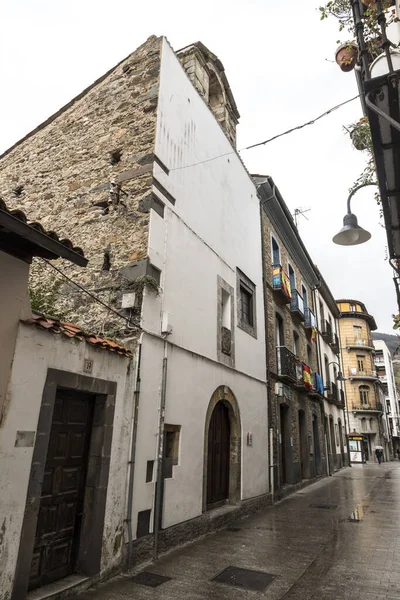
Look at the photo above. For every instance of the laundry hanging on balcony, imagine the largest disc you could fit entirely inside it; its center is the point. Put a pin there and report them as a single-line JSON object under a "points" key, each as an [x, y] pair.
{"points": [[319, 384], [307, 376], [314, 335]]}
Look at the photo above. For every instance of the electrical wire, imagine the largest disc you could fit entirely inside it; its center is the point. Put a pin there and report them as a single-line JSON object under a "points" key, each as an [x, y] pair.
{"points": [[115, 312], [328, 112], [275, 137]]}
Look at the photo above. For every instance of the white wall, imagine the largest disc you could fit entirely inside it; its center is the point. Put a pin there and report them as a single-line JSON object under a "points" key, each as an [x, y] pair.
{"points": [[37, 351], [14, 304], [213, 228], [390, 382]]}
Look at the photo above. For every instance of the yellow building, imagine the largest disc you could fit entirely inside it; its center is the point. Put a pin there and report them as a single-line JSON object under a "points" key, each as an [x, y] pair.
{"points": [[362, 395]]}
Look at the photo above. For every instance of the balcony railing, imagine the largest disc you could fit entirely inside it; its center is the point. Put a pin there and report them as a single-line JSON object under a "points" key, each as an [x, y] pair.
{"points": [[357, 342], [281, 285], [334, 392], [286, 364], [367, 407], [327, 331], [335, 343], [310, 321], [362, 373], [303, 377], [297, 305]]}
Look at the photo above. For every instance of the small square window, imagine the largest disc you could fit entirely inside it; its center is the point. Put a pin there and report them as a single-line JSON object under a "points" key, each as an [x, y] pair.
{"points": [[171, 448]]}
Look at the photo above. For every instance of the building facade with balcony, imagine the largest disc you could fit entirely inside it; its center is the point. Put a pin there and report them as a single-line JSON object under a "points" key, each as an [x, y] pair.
{"points": [[385, 373], [296, 389], [329, 362], [363, 398]]}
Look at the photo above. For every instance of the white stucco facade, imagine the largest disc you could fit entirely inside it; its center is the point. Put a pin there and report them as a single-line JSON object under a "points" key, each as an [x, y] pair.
{"points": [[211, 231], [386, 377], [330, 365], [36, 352]]}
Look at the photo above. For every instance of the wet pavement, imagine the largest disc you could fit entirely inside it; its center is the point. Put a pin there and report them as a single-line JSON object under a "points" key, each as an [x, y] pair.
{"points": [[337, 539]]}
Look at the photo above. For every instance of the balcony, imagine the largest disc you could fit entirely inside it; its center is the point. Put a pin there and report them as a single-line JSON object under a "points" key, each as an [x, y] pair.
{"points": [[310, 321], [360, 342], [281, 285], [297, 306], [342, 397], [327, 332], [335, 345], [303, 377], [355, 373], [286, 364], [366, 407]]}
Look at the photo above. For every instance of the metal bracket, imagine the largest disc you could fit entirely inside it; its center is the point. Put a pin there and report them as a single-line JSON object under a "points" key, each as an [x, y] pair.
{"points": [[380, 112]]}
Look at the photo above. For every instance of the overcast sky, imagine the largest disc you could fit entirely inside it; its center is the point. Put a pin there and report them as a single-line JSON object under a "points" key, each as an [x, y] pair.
{"points": [[279, 59]]}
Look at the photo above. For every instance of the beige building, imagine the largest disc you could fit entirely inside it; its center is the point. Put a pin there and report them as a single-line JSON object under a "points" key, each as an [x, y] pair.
{"points": [[363, 405]]}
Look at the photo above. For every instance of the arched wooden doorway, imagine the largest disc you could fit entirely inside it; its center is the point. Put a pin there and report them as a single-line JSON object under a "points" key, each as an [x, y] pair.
{"points": [[218, 455], [222, 450]]}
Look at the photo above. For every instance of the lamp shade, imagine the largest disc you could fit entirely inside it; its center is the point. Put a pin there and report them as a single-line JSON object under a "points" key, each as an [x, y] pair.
{"points": [[351, 233]]}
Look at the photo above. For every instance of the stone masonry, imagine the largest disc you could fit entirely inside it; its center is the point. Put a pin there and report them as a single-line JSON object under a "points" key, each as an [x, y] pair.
{"points": [[59, 174], [298, 401]]}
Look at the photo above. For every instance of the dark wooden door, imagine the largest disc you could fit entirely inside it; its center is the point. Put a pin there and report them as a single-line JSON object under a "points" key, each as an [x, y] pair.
{"points": [[218, 455], [302, 439], [61, 502], [283, 442]]}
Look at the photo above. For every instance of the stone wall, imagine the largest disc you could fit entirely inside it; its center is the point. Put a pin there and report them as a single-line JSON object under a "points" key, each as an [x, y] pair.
{"points": [[59, 175], [298, 401]]}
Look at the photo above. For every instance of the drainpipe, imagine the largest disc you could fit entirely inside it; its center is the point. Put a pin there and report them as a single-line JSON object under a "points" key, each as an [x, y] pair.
{"points": [[267, 356], [160, 454], [133, 457]]}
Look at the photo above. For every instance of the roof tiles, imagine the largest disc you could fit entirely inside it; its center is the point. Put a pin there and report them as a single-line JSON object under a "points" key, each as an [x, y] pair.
{"points": [[74, 331]]}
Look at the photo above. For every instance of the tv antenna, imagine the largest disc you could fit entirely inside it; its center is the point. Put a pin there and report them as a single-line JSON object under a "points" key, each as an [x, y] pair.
{"points": [[300, 212]]}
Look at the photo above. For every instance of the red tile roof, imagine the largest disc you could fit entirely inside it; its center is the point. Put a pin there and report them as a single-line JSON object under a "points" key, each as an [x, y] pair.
{"points": [[74, 331]]}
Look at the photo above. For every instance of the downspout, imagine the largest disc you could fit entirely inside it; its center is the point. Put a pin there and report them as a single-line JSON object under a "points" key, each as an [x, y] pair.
{"points": [[267, 356], [131, 463], [322, 402], [160, 454]]}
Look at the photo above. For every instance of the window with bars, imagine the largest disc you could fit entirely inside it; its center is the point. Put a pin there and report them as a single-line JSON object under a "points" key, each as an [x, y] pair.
{"points": [[246, 305]]}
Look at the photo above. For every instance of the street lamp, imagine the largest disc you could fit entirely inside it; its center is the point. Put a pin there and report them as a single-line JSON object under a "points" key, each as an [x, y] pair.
{"points": [[339, 376], [351, 233]]}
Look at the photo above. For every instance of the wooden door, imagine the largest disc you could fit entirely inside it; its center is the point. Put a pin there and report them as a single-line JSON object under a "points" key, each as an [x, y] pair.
{"points": [[283, 443], [218, 455], [302, 440], [61, 502]]}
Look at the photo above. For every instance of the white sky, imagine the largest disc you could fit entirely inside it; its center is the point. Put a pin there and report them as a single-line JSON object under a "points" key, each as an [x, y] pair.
{"points": [[277, 58]]}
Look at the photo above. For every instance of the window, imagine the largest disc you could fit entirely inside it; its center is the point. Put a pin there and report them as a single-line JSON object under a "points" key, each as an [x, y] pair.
{"points": [[357, 329], [363, 424], [246, 304], [388, 410], [292, 277], [364, 394], [296, 344], [225, 323], [327, 374], [321, 316], [279, 332], [171, 448], [360, 362], [305, 296], [149, 471], [371, 424], [353, 308], [276, 254], [309, 355]]}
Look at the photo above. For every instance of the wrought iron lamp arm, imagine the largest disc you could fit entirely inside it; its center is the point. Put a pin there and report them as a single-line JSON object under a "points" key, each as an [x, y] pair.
{"points": [[356, 190]]}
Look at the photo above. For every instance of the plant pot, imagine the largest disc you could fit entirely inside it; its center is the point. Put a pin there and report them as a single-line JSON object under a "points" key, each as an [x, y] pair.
{"points": [[346, 56], [368, 2], [358, 143]]}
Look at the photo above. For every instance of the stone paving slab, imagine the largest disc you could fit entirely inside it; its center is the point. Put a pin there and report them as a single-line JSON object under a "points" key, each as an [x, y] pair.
{"points": [[314, 553]]}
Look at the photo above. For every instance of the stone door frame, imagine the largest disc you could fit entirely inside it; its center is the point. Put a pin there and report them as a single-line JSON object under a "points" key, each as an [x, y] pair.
{"points": [[90, 545], [224, 394]]}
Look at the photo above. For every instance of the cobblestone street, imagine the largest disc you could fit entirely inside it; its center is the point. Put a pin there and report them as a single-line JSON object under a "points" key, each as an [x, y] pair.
{"points": [[337, 539]]}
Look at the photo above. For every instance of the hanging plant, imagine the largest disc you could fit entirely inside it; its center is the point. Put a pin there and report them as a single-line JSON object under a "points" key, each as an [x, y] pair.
{"points": [[360, 134], [346, 56]]}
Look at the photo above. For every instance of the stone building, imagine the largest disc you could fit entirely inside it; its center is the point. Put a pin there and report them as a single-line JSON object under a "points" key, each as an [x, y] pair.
{"points": [[142, 169], [296, 404], [362, 395]]}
